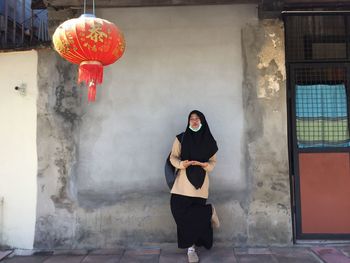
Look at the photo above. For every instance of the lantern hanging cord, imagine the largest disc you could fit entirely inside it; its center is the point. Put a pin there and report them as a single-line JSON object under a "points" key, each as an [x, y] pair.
{"points": [[93, 7]]}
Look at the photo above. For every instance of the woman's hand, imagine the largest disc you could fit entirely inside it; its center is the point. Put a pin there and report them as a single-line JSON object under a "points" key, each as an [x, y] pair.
{"points": [[203, 165], [187, 163]]}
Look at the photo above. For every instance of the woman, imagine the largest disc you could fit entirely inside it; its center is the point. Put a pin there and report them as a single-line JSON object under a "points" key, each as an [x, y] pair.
{"points": [[194, 154]]}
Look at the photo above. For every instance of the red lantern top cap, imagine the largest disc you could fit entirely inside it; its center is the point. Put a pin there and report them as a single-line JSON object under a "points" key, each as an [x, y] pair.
{"points": [[87, 15]]}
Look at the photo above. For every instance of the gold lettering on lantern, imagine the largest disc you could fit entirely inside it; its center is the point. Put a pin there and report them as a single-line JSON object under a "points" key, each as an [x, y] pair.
{"points": [[62, 46], [89, 47], [96, 33], [121, 45]]}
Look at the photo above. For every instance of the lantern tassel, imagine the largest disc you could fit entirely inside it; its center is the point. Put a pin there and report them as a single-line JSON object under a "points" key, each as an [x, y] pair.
{"points": [[92, 91], [91, 72]]}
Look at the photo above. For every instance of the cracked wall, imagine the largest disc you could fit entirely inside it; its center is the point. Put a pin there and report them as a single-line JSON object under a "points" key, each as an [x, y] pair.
{"points": [[58, 120], [266, 152], [100, 174]]}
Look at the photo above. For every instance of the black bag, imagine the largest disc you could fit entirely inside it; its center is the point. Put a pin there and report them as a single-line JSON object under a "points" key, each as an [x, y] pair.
{"points": [[170, 171]]}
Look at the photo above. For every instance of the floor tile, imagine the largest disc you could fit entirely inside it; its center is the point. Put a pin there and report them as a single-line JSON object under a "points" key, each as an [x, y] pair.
{"points": [[222, 255], [102, 259], [139, 259], [64, 259], [173, 258], [294, 255], [76, 252], [5, 253], [256, 259], [252, 251], [345, 250], [25, 259], [330, 255], [117, 251]]}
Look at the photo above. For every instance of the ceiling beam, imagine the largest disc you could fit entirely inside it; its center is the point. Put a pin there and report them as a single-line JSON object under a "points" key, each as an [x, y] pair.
{"points": [[267, 8], [141, 3]]}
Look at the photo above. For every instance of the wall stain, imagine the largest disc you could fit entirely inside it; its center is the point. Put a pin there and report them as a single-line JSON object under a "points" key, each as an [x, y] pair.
{"points": [[61, 107]]}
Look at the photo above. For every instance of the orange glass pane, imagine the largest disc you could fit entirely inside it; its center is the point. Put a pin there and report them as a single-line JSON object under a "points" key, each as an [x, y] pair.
{"points": [[325, 193]]}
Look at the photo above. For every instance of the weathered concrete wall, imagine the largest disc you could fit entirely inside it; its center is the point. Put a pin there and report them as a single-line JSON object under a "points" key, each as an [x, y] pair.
{"points": [[101, 165], [59, 114], [18, 156], [266, 152]]}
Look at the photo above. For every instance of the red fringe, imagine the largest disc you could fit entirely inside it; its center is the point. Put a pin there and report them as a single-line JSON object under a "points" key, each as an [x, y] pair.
{"points": [[92, 92], [91, 74]]}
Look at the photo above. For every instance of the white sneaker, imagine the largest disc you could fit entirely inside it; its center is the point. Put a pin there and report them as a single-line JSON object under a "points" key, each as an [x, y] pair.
{"points": [[192, 257]]}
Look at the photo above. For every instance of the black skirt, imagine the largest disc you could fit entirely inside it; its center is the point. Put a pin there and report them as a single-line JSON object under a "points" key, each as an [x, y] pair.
{"points": [[193, 219]]}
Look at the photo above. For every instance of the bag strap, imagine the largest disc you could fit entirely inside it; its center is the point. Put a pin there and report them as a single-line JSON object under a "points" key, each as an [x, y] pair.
{"points": [[182, 138]]}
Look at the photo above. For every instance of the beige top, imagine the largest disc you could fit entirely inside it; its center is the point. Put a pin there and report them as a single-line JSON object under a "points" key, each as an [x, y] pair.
{"points": [[182, 185]]}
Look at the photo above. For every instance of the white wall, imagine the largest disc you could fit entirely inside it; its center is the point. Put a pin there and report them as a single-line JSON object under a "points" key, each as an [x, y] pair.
{"points": [[177, 59], [18, 156]]}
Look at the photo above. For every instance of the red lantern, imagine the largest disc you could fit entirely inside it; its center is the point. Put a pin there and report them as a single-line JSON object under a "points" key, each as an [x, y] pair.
{"points": [[92, 43]]}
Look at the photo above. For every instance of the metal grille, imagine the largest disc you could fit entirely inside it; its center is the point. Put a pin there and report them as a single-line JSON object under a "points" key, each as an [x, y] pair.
{"points": [[320, 75], [21, 26], [316, 37], [321, 107], [320, 87]]}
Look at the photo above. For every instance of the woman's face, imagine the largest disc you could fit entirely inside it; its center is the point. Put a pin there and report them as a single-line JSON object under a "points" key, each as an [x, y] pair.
{"points": [[195, 121]]}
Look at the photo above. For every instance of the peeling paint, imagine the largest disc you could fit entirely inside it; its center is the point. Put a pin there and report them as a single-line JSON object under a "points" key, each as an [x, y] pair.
{"points": [[269, 213]]}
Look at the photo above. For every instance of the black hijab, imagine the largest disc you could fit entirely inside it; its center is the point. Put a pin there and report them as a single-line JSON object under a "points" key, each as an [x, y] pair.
{"points": [[197, 146]]}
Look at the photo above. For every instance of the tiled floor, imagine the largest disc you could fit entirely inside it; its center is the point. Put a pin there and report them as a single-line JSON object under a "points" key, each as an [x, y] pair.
{"points": [[324, 254]]}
